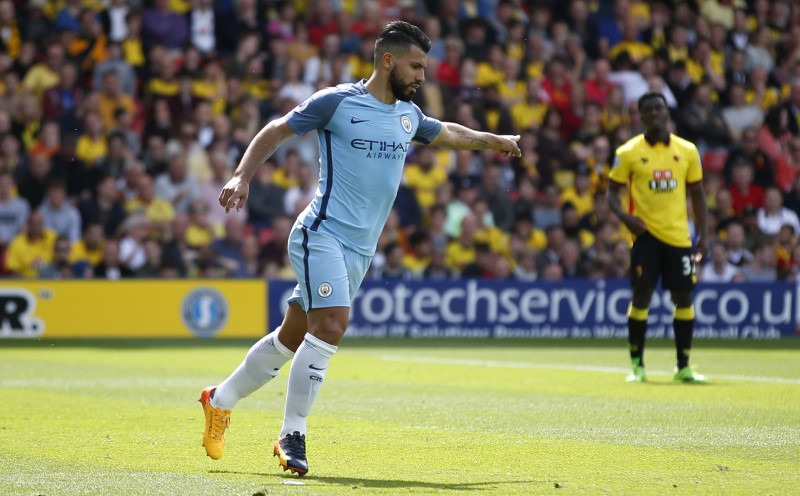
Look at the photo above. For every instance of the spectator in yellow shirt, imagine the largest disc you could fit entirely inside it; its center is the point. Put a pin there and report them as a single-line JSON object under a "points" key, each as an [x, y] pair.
{"points": [[165, 83], [60, 267], [201, 233], [132, 47], [155, 209], [512, 88], [92, 147], [630, 43], [89, 46], [461, 251], [10, 41], [424, 177], [419, 255], [495, 238], [90, 247], [529, 113], [580, 194], [491, 72], [112, 98], [45, 75], [31, 250]]}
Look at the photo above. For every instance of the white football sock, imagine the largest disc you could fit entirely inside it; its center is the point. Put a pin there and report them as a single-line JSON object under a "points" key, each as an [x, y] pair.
{"points": [[305, 378], [262, 364]]}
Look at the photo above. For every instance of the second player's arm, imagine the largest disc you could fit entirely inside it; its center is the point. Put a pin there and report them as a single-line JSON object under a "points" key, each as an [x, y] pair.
{"points": [[634, 224], [700, 217], [271, 136], [460, 137]]}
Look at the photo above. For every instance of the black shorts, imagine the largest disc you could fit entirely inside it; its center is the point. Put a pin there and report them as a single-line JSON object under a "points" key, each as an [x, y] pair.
{"points": [[651, 258]]}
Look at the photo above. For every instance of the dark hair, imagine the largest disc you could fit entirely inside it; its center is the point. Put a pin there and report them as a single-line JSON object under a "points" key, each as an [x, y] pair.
{"points": [[418, 237], [398, 36], [772, 120], [56, 183], [481, 247], [649, 95]]}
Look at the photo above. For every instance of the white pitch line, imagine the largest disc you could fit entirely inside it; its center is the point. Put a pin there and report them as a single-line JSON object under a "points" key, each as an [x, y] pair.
{"points": [[574, 368]]}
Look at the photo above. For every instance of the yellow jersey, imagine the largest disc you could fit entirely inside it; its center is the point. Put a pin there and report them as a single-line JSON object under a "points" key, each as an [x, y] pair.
{"points": [[495, 238], [656, 176], [158, 210], [108, 106], [459, 256], [82, 253], [424, 183], [27, 257], [584, 202], [526, 115], [487, 75], [416, 264], [89, 151], [133, 52], [636, 49]]}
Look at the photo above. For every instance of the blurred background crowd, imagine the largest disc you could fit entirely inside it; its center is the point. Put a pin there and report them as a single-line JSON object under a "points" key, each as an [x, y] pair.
{"points": [[120, 121]]}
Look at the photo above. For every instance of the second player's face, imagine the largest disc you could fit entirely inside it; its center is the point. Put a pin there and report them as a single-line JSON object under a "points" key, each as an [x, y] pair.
{"points": [[408, 73], [654, 114]]}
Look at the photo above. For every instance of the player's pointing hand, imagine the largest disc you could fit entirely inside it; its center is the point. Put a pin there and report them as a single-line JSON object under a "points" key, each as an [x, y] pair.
{"points": [[234, 194], [508, 145]]}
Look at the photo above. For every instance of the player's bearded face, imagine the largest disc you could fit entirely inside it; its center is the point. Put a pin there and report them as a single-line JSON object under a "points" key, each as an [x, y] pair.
{"points": [[402, 90]]}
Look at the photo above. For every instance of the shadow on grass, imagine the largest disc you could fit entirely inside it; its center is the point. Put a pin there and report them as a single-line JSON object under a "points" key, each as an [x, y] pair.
{"points": [[357, 483], [682, 384], [398, 343], [235, 472]]}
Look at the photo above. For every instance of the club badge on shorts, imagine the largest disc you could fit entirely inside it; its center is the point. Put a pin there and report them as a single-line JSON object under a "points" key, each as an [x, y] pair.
{"points": [[405, 121], [325, 289]]}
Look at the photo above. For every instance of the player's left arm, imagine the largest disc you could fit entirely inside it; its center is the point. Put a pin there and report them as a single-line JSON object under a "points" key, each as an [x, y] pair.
{"points": [[456, 136], [696, 190], [701, 219]]}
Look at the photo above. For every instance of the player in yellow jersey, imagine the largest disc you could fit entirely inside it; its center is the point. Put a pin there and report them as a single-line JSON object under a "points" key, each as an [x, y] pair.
{"points": [[658, 168]]}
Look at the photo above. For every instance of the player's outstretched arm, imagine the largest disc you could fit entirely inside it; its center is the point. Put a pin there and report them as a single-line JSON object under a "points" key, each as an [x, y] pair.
{"points": [[701, 219], [271, 136], [457, 136]]}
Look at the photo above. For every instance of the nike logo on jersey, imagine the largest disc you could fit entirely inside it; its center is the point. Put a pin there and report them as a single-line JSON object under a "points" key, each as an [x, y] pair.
{"points": [[353, 120], [312, 367]]}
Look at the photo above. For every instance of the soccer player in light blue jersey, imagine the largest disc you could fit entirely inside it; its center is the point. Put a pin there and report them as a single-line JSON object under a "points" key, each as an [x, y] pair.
{"points": [[364, 132]]}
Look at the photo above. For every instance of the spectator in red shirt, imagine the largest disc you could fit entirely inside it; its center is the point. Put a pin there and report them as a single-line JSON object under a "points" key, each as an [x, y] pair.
{"points": [[449, 71], [744, 193], [557, 84], [65, 97], [598, 86]]}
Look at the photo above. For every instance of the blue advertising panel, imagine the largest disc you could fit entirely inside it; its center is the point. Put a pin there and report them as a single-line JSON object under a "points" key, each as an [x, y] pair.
{"points": [[566, 309]]}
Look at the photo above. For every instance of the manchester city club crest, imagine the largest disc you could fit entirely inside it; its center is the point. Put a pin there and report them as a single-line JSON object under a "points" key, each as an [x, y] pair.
{"points": [[325, 289], [405, 121]]}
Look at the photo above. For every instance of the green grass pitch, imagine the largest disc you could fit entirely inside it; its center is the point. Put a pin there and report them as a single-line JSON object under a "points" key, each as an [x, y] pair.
{"points": [[405, 417]]}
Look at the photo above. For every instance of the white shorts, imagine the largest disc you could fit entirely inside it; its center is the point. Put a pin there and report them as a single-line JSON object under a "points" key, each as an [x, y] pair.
{"points": [[328, 273]]}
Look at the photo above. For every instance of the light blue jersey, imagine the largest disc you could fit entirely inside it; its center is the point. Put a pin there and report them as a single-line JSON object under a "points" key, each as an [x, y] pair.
{"points": [[363, 144]]}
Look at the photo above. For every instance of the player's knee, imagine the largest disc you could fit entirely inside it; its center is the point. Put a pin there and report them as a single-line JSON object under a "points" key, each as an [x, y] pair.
{"points": [[329, 326], [331, 334]]}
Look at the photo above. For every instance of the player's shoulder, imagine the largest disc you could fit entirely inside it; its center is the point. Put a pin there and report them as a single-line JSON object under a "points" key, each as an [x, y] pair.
{"points": [[322, 105], [683, 143], [340, 91], [631, 145]]}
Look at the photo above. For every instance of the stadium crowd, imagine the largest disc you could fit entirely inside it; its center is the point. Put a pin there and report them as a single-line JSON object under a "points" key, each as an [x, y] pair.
{"points": [[120, 121]]}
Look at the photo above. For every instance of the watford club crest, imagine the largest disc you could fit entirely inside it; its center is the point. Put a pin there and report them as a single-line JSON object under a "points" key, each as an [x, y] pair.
{"points": [[662, 181]]}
